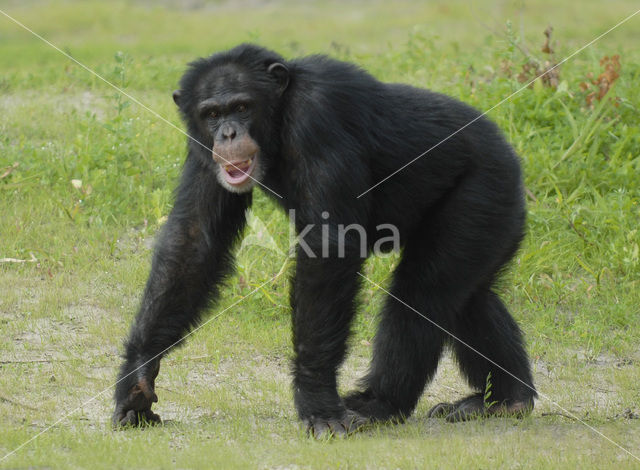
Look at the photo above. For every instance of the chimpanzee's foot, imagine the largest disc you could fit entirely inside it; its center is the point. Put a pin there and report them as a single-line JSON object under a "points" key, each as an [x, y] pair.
{"points": [[375, 409], [322, 428], [474, 407]]}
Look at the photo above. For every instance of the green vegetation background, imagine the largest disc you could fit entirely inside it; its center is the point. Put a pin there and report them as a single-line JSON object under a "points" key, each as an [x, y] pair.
{"points": [[86, 178]]}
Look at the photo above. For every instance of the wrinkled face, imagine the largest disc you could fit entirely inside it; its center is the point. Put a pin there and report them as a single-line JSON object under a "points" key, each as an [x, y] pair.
{"points": [[226, 110], [230, 106]]}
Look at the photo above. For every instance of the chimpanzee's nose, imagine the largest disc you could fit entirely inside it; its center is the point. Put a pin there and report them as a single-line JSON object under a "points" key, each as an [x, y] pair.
{"points": [[229, 132]]}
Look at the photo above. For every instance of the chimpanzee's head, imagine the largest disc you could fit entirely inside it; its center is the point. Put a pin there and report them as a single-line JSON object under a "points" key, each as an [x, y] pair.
{"points": [[230, 102]]}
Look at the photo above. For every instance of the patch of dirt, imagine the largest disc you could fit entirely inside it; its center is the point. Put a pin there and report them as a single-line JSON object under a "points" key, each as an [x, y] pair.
{"points": [[83, 102], [51, 347], [40, 341]]}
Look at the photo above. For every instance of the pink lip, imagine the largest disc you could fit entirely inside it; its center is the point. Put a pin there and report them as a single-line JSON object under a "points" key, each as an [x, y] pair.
{"points": [[236, 173]]}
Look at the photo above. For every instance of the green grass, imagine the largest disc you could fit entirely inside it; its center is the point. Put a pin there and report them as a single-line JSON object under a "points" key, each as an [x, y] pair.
{"points": [[574, 286]]}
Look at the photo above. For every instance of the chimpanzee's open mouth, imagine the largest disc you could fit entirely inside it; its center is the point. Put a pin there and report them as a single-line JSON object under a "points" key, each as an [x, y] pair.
{"points": [[238, 172]]}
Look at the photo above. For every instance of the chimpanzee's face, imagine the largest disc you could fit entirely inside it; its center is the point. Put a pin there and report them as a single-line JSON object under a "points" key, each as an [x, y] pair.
{"points": [[227, 109], [232, 109]]}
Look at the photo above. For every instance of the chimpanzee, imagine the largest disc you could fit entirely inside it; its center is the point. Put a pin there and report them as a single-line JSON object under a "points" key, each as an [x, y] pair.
{"points": [[326, 139]]}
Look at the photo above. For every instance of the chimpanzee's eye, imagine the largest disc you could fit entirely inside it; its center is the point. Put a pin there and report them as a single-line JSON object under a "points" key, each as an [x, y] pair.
{"points": [[241, 108], [213, 114]]}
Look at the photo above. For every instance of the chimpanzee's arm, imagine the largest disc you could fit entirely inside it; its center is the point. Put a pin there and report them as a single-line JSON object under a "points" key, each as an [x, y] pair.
{"points": [[325, 286], [192, 256], [323, 299]]}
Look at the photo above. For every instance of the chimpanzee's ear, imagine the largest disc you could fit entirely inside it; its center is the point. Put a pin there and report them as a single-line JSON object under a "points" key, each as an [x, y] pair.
{"points": [[176, 97], [281, 74]]}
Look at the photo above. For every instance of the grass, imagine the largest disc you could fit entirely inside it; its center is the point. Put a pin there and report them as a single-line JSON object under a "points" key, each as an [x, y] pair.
{"points": [[94, 181]]}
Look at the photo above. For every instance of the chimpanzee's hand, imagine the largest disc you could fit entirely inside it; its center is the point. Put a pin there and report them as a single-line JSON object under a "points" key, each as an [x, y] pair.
{"points": [[135, 394], [349, 423]]}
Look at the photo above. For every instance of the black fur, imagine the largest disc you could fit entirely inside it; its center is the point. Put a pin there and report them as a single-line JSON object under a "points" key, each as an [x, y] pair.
{"points": [[327, 131]]}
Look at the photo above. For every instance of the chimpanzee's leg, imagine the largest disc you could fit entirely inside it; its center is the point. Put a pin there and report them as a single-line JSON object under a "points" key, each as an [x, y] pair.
{"points": [[407, 347], [192, 256], [488, 328], [452, 255]]}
